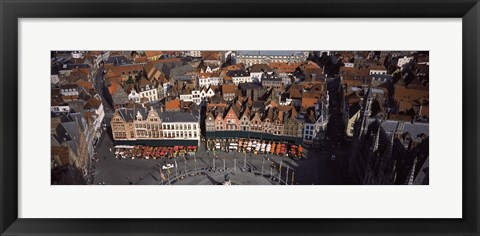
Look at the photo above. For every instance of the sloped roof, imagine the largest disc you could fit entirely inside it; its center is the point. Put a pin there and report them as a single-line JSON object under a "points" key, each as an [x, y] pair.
{"points": [[93, 103], [172, 105], [237, 73], [125, 69], [239, 66], [405, 93], [177, 117], [309, 102], [142, 84], [140, 59], [377, 67], [156, 63], [85, 84], [113, 87], [228, 88], [130, 114], [210, 55], [260, 68], [295, 91], [284, 67], [153, 53]]}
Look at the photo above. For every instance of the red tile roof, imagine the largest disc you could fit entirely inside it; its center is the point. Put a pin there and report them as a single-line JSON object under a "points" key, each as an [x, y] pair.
{"points": [[228, 88], [153, 53], [403, 93], [308, 102], [282, 67], [172, 105], [85, 84], [113, 88]]}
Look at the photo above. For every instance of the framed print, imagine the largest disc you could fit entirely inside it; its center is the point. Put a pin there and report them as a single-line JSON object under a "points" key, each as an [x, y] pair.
{"points": [[232, 117]]}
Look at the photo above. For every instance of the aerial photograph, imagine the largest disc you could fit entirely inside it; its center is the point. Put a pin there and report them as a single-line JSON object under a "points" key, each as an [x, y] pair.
{"points": [[238, 117]]}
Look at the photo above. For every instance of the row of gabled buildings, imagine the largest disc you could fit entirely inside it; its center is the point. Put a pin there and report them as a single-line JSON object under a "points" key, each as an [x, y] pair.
{"points": [[292, 93], [307, 125], [298, 112], [143, 123]]}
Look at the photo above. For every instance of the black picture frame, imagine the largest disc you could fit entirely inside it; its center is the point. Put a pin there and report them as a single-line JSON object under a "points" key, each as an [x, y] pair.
{"points": [[12, 10]]}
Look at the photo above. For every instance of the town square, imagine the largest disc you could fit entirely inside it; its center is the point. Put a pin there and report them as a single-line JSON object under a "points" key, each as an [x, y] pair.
{"points": [[239, 117]]}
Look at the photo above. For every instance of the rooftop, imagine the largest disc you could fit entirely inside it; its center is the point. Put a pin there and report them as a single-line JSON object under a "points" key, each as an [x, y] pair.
{"points": [[269, 53], [177, 117]]}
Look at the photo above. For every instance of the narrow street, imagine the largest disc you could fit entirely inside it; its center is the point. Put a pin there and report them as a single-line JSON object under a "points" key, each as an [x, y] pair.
{"points": [[99, 83]]}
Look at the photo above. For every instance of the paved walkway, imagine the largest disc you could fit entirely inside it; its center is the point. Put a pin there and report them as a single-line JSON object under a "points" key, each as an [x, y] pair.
{"points": [[316, 168]]}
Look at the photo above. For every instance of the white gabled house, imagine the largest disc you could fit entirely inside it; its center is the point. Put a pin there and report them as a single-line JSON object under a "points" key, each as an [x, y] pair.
{"points": [[134, 96]]}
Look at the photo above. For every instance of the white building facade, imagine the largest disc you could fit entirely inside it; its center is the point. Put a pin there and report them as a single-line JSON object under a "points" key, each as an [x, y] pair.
{"points": [[60, 109], [180, 126], [149, 92], [308, 132], [242, 79], [207, 81], [251, 58], [134, 96], [132, 124]]}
